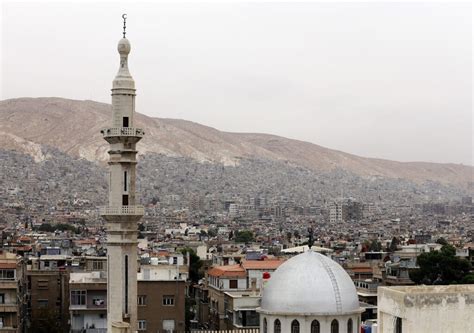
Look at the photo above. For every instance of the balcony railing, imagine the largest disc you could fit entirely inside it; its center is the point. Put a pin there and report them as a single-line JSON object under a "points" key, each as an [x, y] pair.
{"points": [[89, 330], [122, 131], [122, 210]]}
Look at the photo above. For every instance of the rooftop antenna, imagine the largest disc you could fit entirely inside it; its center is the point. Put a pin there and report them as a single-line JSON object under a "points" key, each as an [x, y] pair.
{"points": [[124, 16]]}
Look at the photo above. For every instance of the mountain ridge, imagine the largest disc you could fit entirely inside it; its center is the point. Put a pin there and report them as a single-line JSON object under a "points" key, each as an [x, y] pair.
{"points": [[28, 123]]}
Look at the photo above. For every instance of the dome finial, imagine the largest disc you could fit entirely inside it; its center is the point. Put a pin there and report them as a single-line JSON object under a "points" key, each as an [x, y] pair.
{"points": [[124, 16]]}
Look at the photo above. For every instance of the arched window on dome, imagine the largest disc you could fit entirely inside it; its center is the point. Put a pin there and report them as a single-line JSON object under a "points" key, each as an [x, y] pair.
{"points": [[334, 326], [349, 326], [277, 326], [315, 327], [265, 328], [295, 326], [398, 325]]}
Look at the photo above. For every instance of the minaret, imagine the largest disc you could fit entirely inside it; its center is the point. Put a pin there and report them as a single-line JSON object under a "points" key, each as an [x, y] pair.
{"points": [[122, 212]]}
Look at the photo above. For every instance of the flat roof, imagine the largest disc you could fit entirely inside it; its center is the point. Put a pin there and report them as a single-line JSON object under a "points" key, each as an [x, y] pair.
{"points": [[438, 289]]}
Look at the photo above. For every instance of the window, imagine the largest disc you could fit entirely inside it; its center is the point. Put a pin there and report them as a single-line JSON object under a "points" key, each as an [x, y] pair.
{"points": [[233, 284], [97, 265], [398, 325], [2, 298], [125, 122], [142, 325], [168, 325], [168, 300], [43, 284], [125, 200], [141, 299], [78, 297], [295, 326], [277, 326], [334, 326], [315, 327], [265, 328], [7, 274], [42, 303], [349, 325]]}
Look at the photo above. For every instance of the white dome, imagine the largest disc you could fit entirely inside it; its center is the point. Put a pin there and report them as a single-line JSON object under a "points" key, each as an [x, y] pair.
{"points": [[310, 284]]}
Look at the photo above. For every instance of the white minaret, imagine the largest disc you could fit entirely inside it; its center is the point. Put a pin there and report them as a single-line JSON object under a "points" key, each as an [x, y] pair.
{"points": [[122, 213]]}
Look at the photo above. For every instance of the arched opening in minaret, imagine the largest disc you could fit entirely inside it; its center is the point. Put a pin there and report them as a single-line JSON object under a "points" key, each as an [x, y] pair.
{"points": [[126, 284], [125, 181], [125, 122]]}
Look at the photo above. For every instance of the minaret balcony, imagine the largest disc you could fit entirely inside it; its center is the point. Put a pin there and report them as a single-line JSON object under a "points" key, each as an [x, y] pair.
{"points": [[136, 210], [122, 131]]}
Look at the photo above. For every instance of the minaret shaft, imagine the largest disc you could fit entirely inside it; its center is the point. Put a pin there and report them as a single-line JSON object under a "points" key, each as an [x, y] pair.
{"points": [[122, 212]]}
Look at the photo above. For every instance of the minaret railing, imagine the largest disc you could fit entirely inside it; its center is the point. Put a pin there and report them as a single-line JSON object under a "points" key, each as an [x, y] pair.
{"points": [[122, 131], [122, 210]]}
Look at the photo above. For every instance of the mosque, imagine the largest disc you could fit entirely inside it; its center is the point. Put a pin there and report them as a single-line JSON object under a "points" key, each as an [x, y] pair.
{"points": [[310, 293]]}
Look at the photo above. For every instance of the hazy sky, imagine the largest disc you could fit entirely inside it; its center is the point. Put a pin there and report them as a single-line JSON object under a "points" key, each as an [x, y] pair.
{"points": [[389, 80]]}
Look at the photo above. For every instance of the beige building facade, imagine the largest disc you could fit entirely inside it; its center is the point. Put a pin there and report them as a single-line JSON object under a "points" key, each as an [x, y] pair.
{"points": [[414, 309]]}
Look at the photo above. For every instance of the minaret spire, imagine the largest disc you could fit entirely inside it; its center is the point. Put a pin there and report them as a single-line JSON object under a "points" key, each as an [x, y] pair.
{"points": [[123, 211]]}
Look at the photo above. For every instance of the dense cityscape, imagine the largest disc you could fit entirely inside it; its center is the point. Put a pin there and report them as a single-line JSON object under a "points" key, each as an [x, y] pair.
{"points": [[151, 242]]}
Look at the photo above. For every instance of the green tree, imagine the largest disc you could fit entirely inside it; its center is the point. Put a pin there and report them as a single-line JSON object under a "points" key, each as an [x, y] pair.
{"points": [[375, 246], [441, 267], [394, 244], [195, 265], [212, 232], [244, 236], [442, 241]]}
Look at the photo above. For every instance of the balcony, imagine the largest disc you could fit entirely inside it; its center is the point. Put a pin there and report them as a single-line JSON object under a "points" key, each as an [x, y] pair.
{"points": [[122, 211], [122, 131], [8, 307], [8, 329]]}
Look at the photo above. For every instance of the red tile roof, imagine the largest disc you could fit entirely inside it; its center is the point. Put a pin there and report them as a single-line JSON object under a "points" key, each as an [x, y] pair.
{"points": [[271, 264], [227, 271]]}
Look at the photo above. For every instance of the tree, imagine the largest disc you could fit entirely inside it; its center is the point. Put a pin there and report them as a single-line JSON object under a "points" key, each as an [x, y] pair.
{"points": [[296, 233], [394, 244], [212, 232], [375, 246], [442, 241], [244, 236], [441, 267], [195, 265]]}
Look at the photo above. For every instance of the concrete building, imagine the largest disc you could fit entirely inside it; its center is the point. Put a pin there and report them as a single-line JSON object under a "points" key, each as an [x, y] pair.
{"points": [[310, 293], [161, 298], [48, 290], [12, 293], [233, 284], [123, 211], [414, 309], [88, 302], [335, 213]]}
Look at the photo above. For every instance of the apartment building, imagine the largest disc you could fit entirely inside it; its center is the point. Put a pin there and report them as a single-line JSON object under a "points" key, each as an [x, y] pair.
{"points": [[12, 293]]}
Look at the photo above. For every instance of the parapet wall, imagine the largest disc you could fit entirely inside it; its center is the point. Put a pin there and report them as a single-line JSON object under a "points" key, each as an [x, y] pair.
{"points": [[427, 308]]}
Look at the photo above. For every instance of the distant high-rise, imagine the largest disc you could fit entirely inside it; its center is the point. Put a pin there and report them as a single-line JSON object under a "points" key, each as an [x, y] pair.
{"points": [[122, 212]]}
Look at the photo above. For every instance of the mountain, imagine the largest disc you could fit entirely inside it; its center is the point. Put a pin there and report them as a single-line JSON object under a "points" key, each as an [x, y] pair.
{"points": [[73, 127]]}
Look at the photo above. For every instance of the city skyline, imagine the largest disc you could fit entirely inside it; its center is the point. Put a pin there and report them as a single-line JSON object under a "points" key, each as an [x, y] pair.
{"points": [[375, 80]]}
